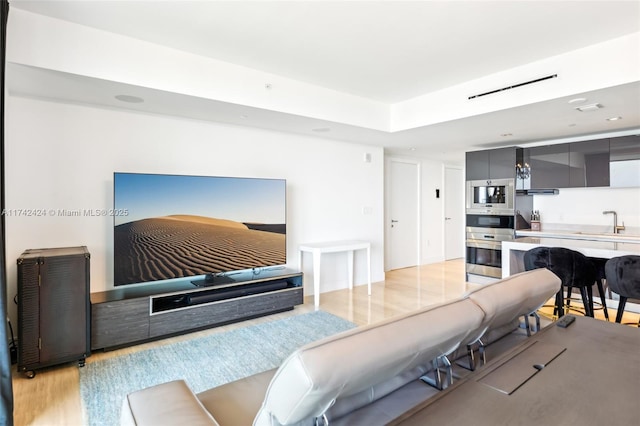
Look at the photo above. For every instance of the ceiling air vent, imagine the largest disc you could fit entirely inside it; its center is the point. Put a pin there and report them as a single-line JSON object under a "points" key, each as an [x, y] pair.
{"points": [[513, 86], [587, 108]]}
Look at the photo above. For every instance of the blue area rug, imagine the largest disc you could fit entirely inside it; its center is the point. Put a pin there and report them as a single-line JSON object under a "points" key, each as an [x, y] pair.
{"points": [[203, 362]]}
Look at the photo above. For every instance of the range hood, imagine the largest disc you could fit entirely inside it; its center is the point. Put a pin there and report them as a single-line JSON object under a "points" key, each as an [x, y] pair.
{"points": [[539, 191]]}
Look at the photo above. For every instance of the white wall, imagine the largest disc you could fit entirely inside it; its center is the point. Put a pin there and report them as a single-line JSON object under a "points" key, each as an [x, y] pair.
{"points": [[581, 209], [62, 156]]}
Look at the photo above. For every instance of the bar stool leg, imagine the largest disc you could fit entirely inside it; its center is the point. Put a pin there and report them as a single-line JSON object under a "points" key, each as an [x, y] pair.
{"points": [[621, 303], [588, 306], [603, 299], [559, 309]]}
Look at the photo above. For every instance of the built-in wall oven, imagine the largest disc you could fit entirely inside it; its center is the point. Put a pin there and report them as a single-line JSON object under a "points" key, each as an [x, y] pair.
{"points": [[495, 196], [484, 235]]}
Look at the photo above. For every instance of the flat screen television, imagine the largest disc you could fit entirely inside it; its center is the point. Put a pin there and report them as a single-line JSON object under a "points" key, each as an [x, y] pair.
{"points": [[178, 226]]}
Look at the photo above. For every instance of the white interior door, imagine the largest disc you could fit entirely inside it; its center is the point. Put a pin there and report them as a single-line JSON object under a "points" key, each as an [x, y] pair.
{"points": [[454, 223], [403, 212]]}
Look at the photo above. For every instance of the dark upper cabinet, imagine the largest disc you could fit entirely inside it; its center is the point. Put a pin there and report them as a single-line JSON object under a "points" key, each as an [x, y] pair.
{"points": [[477, 165], [613, 162], [589, 163], [549, 165], [502, 163], [624, 161], [491, 164]]}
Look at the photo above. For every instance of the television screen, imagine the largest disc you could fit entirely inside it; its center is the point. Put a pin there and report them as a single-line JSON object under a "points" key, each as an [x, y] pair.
{"points": [[174, 226]]}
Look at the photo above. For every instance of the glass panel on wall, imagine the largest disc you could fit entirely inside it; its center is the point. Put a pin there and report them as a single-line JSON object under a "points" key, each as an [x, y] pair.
{"points": [[624, 161]]}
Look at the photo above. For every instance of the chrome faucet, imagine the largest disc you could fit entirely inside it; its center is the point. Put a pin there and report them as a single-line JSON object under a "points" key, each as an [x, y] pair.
{"points": [[616, 228]]}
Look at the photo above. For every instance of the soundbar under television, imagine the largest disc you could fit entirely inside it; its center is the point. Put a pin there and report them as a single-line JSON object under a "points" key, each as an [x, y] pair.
{"points": [[207, 227]]}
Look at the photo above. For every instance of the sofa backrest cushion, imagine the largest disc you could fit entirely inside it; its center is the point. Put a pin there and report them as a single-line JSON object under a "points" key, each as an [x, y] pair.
{"points": [[311, 379], [514, 296]]}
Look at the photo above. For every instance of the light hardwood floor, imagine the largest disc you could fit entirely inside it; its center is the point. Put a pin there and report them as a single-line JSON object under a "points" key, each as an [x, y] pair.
{"points": [[53, 396]]}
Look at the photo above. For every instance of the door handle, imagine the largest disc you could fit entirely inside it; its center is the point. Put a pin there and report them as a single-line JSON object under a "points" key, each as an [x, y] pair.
{"points": [[447, 218], [394, 221]]}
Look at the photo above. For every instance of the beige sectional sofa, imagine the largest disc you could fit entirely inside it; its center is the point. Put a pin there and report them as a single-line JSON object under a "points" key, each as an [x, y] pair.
{"points": [[368, 375]]}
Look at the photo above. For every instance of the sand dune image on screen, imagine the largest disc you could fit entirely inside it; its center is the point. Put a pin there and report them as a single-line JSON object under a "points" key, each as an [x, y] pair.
{"points": [[179, 246]]}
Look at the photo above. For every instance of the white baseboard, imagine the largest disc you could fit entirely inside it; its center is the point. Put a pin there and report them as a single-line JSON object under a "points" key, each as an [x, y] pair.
{"points": [[480, 279]]}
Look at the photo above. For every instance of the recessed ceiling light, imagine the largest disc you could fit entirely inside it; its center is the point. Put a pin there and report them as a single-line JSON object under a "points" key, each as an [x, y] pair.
{"points": [[321, 129], [130, 99], [577, 100], [614, 118]]}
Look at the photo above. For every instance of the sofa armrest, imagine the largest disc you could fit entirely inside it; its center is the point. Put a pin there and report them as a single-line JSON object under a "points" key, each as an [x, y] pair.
{"points": [[165, 404]]}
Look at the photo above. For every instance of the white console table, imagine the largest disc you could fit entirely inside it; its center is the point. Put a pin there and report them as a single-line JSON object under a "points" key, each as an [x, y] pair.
{"points": [[317, 249]]}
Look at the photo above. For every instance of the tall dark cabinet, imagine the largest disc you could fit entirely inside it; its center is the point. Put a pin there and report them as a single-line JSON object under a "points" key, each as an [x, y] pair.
{"points": [[53, 307]]}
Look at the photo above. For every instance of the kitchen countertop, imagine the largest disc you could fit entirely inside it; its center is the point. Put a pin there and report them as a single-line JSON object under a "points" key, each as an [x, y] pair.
{"points": [[580, 235]]}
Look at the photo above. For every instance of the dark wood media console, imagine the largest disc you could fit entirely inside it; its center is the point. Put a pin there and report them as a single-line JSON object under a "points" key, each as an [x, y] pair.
{"points": [[134, 314]]}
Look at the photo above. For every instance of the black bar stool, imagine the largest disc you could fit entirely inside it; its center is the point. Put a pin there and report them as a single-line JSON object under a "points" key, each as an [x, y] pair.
{"points": [[623, 278], [598, 263], [574, 270]]}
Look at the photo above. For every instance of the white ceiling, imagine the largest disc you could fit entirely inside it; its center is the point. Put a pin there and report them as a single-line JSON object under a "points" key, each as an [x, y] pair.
{"points": [[387, 51]]}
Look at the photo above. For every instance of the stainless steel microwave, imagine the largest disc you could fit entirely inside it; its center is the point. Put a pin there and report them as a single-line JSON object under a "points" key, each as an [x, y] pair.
{"points": [[496, 196]]}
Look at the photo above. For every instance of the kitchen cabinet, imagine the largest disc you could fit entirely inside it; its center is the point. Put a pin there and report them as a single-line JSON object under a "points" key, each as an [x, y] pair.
{"points": [[491, 164], [624, 161], [477, 165], [605, 162], [589, 163], [549, 165]]}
